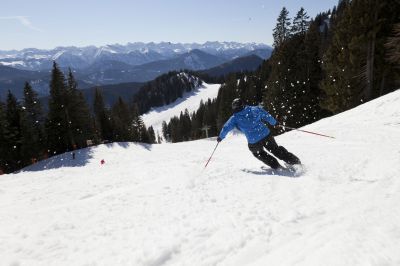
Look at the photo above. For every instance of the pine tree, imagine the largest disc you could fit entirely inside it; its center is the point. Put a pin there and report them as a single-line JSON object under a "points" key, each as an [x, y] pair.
{"points": [[281, 31], [80, 120], [58, 124], [314, 46], [194, 126], [342, 65], [393, 46], [279, 87], [199, 120], [152, 135], [165, 131], [144, 135], [102, 117], [13, 117], [5, 142], [300, 23], [210, 115], [69, 122], [32, 127], [138, 127], [175, 130], [292, 92], [122, 122], [251, 93], [185, 123], [226, 94], [393, 53]]}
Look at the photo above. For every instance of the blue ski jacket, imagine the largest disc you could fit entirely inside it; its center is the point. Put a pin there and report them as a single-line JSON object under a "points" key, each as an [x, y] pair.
{"points": [[251, 121]]}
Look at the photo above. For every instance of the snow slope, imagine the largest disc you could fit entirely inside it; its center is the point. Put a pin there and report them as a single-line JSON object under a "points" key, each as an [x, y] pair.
{"points": [[190, 100], [155, 205]]}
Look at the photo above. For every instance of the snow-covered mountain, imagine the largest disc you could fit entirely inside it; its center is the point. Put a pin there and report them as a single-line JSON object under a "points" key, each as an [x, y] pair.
{"points": [[157, 205], [111, 72], [113, 64], [133, 54]]}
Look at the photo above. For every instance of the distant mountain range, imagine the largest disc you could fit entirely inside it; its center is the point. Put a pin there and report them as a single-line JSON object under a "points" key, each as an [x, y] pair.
{"points": [[134, 54], [114, 64], [111, 72]]}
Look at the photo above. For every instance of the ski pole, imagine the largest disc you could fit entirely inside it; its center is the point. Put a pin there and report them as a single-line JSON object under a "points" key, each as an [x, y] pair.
{"points": [[211, 155], [305, 131]]}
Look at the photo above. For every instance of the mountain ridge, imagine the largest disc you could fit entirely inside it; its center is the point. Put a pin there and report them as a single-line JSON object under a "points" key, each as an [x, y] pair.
{"points": [[132, 53], [111, 72]]}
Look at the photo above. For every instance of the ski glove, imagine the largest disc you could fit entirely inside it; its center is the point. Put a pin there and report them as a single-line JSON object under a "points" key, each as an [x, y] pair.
{"points": [[219, 139]]}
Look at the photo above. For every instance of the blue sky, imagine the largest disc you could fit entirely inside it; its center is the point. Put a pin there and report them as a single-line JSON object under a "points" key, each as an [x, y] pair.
{"points": [[51, 23]]}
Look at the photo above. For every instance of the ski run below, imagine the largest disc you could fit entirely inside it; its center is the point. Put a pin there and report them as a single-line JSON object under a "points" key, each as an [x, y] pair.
{"points": [[156, 205], [190, 101]]}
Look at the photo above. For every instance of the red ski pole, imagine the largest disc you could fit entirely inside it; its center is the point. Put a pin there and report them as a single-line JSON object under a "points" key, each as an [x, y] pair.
{"points": [[211, 155], [305, 131]]}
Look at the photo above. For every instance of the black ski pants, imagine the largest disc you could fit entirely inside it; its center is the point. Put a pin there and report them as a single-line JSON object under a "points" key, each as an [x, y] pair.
{"points": [[271, 146]]}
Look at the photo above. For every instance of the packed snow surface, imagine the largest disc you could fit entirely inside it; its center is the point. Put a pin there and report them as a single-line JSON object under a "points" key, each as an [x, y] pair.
{"points": [[190, 101], [156, 205]]}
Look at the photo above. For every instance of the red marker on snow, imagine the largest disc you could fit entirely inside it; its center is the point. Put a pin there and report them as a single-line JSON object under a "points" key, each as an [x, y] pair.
{"points": [[102, 162]]}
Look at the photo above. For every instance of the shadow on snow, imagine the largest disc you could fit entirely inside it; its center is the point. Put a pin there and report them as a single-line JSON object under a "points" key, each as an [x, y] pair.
{"points": [[82, 157], [270, 171]]}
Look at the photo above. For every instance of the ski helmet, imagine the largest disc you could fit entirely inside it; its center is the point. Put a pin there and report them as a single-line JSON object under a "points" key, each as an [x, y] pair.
{"points": [[237, 105]]}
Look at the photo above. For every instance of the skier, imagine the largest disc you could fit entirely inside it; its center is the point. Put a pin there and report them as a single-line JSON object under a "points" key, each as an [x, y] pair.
{"points": [[251, 120]]}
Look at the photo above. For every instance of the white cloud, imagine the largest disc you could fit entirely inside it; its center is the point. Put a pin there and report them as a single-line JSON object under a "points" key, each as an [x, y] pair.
{"points": [[24, 21]]}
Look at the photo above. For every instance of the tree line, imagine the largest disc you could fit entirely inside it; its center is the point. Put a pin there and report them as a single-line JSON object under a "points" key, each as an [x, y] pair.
{"points": [[319, 67], [28, 134]]}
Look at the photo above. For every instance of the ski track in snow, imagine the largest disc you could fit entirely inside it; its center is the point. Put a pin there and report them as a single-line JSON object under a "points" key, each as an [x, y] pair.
{"points": [[155, 204]]}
